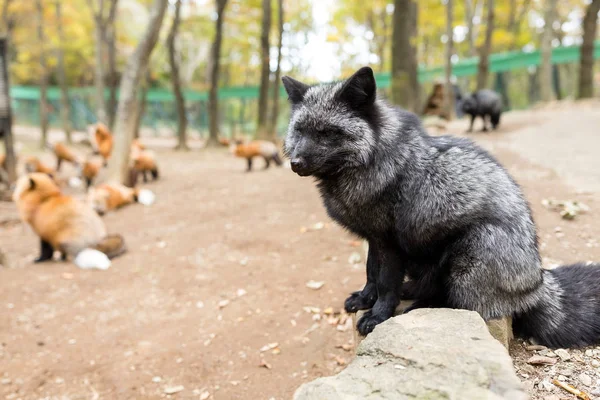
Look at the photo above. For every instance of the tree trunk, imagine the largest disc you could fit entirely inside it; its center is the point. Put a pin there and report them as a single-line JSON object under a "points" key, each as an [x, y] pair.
{"points": [[545, 75], [556, 82], [174, 63], [111, 48], [449, 90], [586, 66], [65, 107], [99, 68], [275, 110], [140, 107], [43, 76], [125, 120], [213, 101], [404, 64], [10, 162], [263, 95], [469, 21], [483, 70]]}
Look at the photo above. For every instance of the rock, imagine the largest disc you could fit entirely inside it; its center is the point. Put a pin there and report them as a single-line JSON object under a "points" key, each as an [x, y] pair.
{"points": [[595, 363], [563, 354], [567, 372], [534, 347], [585, 379], [551, 397], [447, 354], [589, 353], [173, 389], [501, 330], [547, 386], [528, 369], [541, 360]]}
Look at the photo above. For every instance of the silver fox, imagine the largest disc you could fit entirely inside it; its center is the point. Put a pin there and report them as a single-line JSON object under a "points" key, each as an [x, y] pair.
{"points": [[438, 210]]}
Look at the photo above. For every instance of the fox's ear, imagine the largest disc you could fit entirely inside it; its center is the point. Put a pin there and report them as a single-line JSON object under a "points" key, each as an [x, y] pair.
{"points": [[360, 89], [295, 89]]}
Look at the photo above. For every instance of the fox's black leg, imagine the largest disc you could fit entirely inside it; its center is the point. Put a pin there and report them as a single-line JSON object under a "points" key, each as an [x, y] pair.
{"points": [[485, 128], [267, 162], [145, 176], [249, 165], [389, 285], [88, 182], [366, 298], [58, 163], [46, 252], [472, 122], [63, 256]]}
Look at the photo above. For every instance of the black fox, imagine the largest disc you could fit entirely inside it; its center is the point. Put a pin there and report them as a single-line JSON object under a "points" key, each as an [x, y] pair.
{"points": [[483, 103], [439, 210]]}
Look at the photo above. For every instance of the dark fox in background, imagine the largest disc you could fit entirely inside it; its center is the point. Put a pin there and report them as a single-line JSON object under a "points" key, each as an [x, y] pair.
{"points": [[439, 210], [483, 103]]}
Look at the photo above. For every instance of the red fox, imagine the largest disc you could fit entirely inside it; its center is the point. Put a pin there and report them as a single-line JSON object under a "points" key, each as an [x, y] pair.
{"points": [[103, 141], [256, 148], [33, 164], [63, 153], [142, 162], [64, 224], [90, 170], [110, 196]]}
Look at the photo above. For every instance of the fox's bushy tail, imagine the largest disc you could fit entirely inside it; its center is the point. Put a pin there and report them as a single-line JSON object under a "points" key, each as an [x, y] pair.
{"points": [[568, 313], [112, 246]]}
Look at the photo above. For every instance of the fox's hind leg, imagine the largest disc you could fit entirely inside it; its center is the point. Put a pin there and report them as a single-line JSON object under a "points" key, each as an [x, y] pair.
{"points": [[267, 162], [249, 164], [366, 298], [58, 163], [485, 128], [46, 252]]}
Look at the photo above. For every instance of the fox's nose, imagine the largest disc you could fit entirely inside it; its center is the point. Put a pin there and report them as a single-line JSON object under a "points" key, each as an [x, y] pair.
{"points": [[298, 164]]}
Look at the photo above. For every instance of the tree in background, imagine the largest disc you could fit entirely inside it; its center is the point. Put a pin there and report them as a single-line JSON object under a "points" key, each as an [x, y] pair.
{"points": [[276, 83], [405, 90], [586, 66], [448, 89], [263, 95], [101, 23], [483, 69], [545, 75], [10, 162], [43, 82], [125, 118], [65, 107], [213, 101], [142, 102], [174, 63], [110, 41]]}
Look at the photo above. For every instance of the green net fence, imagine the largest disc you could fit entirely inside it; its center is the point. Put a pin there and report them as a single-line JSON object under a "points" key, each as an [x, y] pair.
{"points": [[514, 74]]}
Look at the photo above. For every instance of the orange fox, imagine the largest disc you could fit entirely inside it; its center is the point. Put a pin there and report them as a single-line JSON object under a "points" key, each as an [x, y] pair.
{"points": [[90, 170], [103, 141], [256, 148], [64, 224], [33, 164], [63, 153], [110, 196], [142, 162]]}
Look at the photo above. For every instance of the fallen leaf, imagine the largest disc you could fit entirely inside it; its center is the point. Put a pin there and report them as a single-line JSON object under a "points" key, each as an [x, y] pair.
{"points": [[269, 346], [354, 258], [313, 310], [340, 360], [541, 360], [328, 311], [303, 229], [315, 285], [265, 364], [223, 303], [355, 243], [204, 395], [345, 347], [174, 389], [276, 351]]}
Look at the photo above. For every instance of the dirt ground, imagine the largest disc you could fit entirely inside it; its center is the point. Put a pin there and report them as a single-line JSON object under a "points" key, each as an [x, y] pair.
{"points": [[217, 270]]}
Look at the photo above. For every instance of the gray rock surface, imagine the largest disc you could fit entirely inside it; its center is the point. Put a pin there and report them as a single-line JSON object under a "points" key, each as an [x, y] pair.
{"points": [[426, 354]]}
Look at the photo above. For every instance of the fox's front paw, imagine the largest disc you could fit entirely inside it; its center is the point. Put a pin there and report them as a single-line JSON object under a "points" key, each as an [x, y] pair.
{"points": [[357, 301], [368, 322]]}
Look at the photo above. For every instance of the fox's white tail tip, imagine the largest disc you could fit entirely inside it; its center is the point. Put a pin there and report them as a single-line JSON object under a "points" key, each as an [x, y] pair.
{"points": [[146, 197], [92, 259]]}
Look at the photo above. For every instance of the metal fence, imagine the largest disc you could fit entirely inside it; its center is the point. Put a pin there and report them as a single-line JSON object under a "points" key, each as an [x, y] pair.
{"points": [[514, 74]]}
